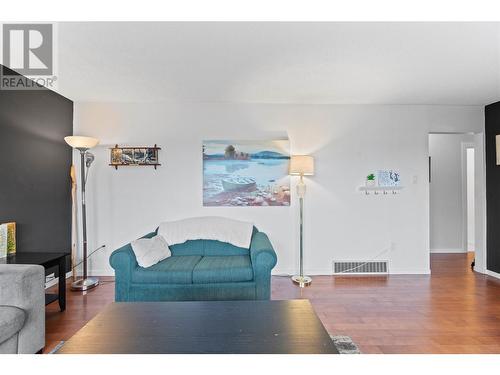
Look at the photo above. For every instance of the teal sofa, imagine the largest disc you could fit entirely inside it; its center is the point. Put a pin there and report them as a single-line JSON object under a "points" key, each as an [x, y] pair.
{"points": [[197, 270]]}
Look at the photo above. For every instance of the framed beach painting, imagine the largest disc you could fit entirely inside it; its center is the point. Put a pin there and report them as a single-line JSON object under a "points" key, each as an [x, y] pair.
{"points": [[246, 173]]}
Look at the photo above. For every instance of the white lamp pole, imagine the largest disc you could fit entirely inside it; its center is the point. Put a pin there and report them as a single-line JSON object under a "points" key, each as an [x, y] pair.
{"points": [[301, 165], [83, 144]]}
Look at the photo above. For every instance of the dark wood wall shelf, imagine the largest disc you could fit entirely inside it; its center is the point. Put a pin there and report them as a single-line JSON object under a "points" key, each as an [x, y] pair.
{"points": [[134, 165], [134, 156]]}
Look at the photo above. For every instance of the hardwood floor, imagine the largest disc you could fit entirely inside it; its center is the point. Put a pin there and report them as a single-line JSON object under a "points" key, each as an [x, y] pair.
{"points": [[452, 311]]}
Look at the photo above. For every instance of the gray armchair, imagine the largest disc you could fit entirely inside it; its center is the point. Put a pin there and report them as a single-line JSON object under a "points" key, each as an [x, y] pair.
{"points": [[22, 308]]}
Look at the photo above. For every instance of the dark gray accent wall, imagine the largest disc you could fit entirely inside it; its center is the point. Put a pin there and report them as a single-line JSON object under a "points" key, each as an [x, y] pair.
{"points": [[492, 128], [35, 186]]}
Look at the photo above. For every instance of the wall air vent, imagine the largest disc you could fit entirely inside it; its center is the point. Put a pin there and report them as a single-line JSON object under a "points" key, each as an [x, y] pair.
{"points": [[360, 267]]}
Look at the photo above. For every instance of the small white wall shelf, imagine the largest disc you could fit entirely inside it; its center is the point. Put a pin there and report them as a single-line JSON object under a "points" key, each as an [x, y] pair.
{"points": [[376, 190]]}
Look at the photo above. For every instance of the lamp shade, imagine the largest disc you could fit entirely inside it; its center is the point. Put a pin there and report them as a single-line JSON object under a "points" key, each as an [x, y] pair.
{"points": [[80, 142], [301, 165]]}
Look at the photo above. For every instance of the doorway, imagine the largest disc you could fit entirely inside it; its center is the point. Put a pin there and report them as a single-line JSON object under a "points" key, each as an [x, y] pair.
{"points": [[469, 195], [456, 192]]}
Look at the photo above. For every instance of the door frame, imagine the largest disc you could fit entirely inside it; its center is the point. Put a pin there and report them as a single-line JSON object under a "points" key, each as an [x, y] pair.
{"points": [[480, 203]]}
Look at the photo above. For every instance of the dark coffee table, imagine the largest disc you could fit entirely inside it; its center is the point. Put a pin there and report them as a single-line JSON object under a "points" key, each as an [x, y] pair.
{"points": [[47, 260], [244, 327]]}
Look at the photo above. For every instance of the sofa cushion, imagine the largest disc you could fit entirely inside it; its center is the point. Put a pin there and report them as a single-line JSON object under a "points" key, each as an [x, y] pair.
{"points": [[217, 248], [223, 269], [173, 270], [149, 251], [11, 321], [188, 248], [207, 248]]}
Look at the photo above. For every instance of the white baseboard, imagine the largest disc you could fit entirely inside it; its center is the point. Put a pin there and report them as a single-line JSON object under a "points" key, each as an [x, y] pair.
{"points": [[100, 272], [448, 251], [318, 272], [481, 270], [308, 272], [493, 274], [282, 272], [410, 272], [329, 272]]}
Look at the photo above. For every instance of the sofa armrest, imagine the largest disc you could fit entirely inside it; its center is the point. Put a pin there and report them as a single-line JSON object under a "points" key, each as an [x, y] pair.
{"points": [[262, 254], [263, 260], [23, 286], [123, 260]]}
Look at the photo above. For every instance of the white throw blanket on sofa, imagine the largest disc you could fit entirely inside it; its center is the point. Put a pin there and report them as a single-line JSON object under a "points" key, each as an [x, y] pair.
{"points": [[237, 233]]}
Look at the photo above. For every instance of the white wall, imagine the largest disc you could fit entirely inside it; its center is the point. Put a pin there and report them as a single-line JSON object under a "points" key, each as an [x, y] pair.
{"points": [[347, 141], [446, 192], [470, 200]]}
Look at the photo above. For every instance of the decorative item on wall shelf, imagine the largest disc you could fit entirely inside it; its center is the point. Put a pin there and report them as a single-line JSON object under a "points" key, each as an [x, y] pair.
{"points": [[246, 173], [370, 180], [388, 178], [134, 156]]}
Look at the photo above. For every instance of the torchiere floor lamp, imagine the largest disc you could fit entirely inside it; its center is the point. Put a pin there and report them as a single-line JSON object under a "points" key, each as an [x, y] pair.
{"points": [[83, 144]]}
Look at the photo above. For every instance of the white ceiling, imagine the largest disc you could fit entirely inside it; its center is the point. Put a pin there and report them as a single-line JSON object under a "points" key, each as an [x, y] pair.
{"points": [[340, 63]]}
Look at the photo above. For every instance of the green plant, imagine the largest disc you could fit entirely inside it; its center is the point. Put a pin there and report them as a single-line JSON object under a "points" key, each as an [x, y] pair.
{"points": [[370, 177]]}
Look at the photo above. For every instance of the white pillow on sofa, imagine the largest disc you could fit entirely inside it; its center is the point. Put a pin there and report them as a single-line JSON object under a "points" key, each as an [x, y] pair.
{"points": [[150, 251]]}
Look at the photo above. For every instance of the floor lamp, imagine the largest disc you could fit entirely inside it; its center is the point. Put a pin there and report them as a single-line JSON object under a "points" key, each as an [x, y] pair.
{"points": [[83, 144], [301, 165]]}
